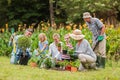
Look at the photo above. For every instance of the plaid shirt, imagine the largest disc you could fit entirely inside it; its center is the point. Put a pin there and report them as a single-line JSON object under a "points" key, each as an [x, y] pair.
{"points": [[95, 27]]}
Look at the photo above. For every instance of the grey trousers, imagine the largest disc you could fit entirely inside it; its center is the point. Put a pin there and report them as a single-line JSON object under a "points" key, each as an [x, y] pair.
{"points": [[86, 59]]}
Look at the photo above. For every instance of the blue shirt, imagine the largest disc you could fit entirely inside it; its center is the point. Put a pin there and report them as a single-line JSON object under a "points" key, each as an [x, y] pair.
{"points": [[41, 45]]}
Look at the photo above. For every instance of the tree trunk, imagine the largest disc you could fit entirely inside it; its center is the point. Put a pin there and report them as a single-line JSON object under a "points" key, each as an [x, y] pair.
{"points": [[52, 22]]}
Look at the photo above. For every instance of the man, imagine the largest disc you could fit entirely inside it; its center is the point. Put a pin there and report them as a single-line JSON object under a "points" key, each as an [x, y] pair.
{"points": [[99, 38], [16, 52]]}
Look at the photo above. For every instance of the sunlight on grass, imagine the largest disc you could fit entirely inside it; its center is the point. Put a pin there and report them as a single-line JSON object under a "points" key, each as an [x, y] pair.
{"points": [[16, 72]]}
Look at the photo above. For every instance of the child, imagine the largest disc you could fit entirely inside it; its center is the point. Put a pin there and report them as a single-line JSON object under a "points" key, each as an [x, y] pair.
{"points": [[43, 44], [67, 41]]}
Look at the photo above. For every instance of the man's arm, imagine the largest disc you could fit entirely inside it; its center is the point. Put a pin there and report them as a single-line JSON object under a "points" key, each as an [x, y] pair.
{"points": [[102, 30]]}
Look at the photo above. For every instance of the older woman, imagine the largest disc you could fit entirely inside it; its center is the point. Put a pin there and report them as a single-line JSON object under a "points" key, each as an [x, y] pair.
{"points": [[53, 48], [83, 50]]}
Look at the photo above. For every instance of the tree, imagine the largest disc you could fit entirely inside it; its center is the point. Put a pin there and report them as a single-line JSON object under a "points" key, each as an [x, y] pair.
{"points": [[104, 8], [52, 21], [3, 12], [23, 11]]}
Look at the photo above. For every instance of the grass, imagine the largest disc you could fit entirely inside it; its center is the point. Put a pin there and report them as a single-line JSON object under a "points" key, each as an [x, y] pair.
{"points": [[16, 72]]}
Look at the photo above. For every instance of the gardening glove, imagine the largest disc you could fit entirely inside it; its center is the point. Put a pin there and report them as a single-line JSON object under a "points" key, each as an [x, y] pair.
{"points": [[100, 38]]}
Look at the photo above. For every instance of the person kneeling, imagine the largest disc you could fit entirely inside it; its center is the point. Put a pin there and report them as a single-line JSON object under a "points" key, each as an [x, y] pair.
{"points": [[84, 51]]}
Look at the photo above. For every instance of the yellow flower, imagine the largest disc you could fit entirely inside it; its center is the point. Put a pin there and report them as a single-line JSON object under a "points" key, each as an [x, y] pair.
{"points": [[90, 41], [68, 27], [107, 37], [43, 28], [31, 27], [23, 29], [74, 26], [48, 24], [42, 24], [6, 25], [19, 25], [80, 27], [46, 28], [101, 20], [111, 26], [84, 25], [3, 30]]}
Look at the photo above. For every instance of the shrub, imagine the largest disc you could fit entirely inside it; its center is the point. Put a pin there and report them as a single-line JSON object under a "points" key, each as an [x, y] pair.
{"points": [[24, 42]]}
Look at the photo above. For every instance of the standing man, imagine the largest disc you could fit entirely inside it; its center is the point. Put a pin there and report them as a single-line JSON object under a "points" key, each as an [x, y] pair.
{"points": [[99, 38]]}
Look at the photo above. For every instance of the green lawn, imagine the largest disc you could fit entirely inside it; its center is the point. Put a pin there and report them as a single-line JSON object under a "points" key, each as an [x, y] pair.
{"points": [[16, 72]]}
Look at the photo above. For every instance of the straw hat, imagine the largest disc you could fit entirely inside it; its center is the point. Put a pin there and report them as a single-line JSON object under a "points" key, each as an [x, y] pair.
{"points": [[77, 35], [86, 15]]}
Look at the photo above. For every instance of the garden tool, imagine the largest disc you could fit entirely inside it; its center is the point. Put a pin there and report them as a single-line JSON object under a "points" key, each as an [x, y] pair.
{"points": [[100, 38]]}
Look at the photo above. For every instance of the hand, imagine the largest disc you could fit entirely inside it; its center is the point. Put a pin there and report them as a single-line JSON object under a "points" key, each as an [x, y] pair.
{"points": [[100, 38], [37, 54]]}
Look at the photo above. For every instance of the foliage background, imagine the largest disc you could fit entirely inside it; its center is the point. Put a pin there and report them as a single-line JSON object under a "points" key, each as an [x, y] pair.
{"points": [[15, 12]]}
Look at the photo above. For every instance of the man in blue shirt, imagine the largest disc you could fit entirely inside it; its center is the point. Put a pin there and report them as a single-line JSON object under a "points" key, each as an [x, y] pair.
{"points": [[16, 52], [99, 38]]}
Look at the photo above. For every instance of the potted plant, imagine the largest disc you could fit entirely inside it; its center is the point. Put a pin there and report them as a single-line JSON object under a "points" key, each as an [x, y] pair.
{"points": [[65, 49], [48, 63], [63, 64], [74, 65], [24, 43], [33, 62]]}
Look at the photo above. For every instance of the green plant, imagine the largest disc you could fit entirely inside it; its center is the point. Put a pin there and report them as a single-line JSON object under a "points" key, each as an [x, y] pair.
{"points": [[24, 42], [75, 63], [65, 47], [48, 63], [63, 63], [33, 59]]}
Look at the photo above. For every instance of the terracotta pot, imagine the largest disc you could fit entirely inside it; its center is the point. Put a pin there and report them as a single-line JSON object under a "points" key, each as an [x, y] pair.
{"points": [[33, 64], [68, 67], [73, 69]]}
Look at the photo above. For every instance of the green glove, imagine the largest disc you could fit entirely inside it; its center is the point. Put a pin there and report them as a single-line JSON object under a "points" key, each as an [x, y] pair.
{"points": [[100, 38]]}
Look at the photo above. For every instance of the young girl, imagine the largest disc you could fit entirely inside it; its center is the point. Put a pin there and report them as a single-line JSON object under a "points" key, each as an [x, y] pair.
{"points": [[67, 41], [43, 44]]}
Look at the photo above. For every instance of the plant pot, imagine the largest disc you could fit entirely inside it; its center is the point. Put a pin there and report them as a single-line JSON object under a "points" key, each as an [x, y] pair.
{"points": [[68, 68], [73, 69], [33, 64], [64, 51]]}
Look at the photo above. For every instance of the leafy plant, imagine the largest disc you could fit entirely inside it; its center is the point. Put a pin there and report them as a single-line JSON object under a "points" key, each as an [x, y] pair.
{"points": [[33, 59], [63, 63], [75, 63], [48, 63], [24, 42]]}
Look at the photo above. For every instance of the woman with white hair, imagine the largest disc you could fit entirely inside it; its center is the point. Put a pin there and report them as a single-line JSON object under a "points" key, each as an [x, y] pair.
{"points": [[53, 48], [84, 51]]}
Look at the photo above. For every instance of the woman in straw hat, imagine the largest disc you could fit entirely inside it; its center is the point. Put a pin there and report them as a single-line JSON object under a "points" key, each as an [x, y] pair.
{"points": [[84, 51]]}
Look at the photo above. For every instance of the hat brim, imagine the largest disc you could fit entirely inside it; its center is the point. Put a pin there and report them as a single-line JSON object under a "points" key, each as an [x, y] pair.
{"points": [[77, 37], [86, 16]]}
